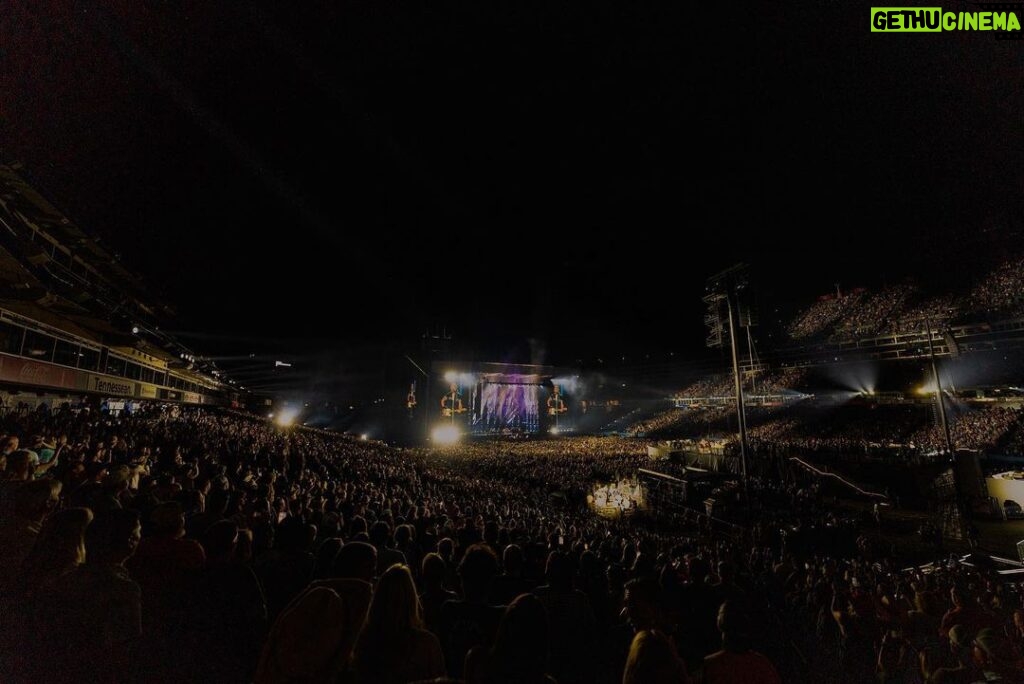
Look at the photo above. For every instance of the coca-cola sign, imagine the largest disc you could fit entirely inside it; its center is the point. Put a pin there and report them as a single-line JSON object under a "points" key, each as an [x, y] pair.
{"points": [[35, 373]]}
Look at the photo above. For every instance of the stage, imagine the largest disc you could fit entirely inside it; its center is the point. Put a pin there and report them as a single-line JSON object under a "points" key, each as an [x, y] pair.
{"points": [[509, 400]]}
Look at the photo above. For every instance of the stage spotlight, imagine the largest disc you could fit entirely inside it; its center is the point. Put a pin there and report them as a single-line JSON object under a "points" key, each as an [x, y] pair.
{"points": [[270, 416], [553, 431], [287, 416], [451, 376], [135, 330], [445, 435], [364, 437]]}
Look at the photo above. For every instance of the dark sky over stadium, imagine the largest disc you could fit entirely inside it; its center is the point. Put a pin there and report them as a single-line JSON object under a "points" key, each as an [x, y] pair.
{"points": [[571, 173]]}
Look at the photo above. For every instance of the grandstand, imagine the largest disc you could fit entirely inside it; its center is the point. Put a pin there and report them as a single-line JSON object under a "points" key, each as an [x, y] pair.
{"points": [[74, 321]]}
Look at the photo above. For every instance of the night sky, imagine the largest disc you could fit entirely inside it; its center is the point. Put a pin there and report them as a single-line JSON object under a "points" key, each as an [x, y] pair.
{"points": [[339, 175]]}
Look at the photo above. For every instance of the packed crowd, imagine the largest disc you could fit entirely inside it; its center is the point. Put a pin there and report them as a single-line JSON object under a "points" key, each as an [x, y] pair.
{"points": [[202, 546], [707, 387], [689, 422], [871, 313], [846, 428], [1013, 444], [971, 429], [782, 381], [1000, 291], [936, 312], [905, 309], [822, 314]]}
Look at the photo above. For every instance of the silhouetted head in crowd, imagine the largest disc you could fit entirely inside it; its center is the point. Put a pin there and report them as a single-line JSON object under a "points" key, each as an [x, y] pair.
{"points": [[19, 465], [307, 642], [491, 532], [380, 534], [356, 560], [432, 572], [990, 651], [219, 541], [520, 648], [736, 627], [192, 502], [653, 660], [117, 479], [325, 556], [959, 642], [10, 444], [477, 570], [590, 564], [330, 526], [245, 548], [642, 603], [924, 602], [35, 500], [446, 548], [217, 503], [698, 570], [358, 525], [291, 536], [394, 616], [60, 546], [113, 537], [643, 564], [512, 560], [616, 578], [559, 571], [168, 520]]}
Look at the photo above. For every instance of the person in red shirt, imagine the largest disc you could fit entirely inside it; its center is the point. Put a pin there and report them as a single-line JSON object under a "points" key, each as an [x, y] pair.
{"points": [[736, 663]]}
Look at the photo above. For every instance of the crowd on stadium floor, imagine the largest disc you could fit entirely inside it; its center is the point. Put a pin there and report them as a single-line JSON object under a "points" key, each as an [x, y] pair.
{"points": [[189, 545]]}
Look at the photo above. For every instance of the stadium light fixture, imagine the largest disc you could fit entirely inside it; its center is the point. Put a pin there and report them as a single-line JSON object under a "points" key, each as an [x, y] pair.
{"points": [[287, 417]]}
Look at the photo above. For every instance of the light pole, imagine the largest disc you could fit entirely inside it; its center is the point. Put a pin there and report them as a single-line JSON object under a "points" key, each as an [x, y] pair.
{"points": [[741, 415], [961, 510], [725, 286], [938, 391]]}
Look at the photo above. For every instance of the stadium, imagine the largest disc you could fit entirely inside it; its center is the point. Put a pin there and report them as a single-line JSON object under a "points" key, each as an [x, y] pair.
{"points": [[349, 345]]}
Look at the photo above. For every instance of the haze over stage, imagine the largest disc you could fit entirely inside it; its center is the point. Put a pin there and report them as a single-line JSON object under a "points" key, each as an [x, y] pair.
{"points": [[516, 373]]}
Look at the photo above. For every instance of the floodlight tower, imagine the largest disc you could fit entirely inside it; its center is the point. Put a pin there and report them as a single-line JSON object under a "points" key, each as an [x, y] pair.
{"points": [[726, 287], [960, 510]]}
